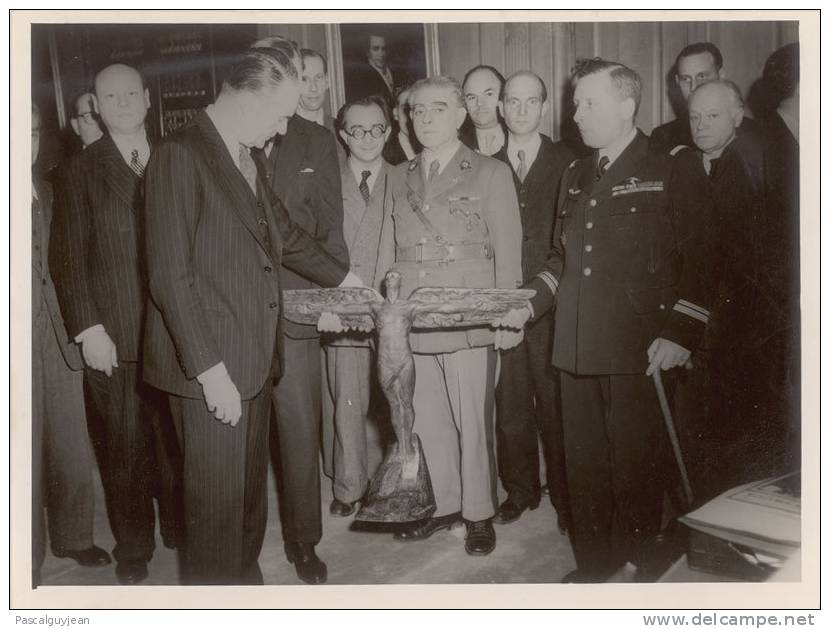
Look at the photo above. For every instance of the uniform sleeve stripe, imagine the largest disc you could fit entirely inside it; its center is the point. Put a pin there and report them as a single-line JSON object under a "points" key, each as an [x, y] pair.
{"points": [[695, 314], [689, 304], [550, 280]]}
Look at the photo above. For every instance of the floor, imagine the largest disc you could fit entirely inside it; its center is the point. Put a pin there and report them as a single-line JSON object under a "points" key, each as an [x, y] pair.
{"points": [[530, 550]]}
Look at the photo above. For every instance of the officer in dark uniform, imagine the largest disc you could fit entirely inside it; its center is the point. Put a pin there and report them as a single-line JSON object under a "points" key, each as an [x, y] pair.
{"points": [[626, 274]]}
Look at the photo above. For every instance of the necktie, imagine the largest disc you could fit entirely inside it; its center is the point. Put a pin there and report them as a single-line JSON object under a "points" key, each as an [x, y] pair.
{"points": [[135, 163], [713, 165], [522, 166], [434, 165], [364, 186], [247, 167], [602, 166]]}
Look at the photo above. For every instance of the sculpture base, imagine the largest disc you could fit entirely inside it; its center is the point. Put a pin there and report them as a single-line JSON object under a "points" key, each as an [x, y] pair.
{"points": [[401, 490]]}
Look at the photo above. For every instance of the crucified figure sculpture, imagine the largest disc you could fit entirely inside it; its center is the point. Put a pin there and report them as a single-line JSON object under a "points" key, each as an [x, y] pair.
{"points": [[401, 490]]}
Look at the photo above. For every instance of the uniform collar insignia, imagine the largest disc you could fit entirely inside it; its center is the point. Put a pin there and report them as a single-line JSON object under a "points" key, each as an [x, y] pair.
{"points": [[465, 164]]}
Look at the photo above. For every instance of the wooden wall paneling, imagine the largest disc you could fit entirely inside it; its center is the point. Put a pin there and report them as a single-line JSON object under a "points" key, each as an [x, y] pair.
{"points": [[460, 48], [787, 33], [674, 37], [516, 47], [585, 36], [492, 45], [541, 60]]}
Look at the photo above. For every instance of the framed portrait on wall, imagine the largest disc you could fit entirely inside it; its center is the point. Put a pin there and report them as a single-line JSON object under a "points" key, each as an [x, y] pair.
{"points": [[378, 59]]}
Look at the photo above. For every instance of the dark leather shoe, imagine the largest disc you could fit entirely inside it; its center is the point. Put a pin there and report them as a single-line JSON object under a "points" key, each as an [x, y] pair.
{"points": [[341, 509], [92, 556], [131, 572], [510, 511], [422, 529], [308, 565], [481, 538]]}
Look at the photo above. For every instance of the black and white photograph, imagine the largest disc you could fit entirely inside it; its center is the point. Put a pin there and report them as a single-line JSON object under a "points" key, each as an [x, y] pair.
{"points": [[372, 301]]}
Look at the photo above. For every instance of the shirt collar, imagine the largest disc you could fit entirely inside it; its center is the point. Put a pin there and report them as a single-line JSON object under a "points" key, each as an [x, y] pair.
{"points": [[225, 132], [443, 155], [616, 149], [495, 132], [531, 149], [357, 169], [126, 146]]}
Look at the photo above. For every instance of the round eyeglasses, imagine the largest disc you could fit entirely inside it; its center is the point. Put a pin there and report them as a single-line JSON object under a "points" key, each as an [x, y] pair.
{"points": [[358, 133]]}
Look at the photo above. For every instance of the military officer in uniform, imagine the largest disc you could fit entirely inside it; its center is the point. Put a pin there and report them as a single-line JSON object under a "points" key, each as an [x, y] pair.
{"points": [[625, 273], [454, 221]]}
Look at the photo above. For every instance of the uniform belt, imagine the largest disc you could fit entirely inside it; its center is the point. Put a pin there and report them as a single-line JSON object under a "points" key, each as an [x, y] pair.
{"points": [[449, 252]]}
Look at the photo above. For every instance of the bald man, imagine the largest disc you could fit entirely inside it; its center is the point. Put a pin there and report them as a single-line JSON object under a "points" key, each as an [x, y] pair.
{"points": [[101, 285], [739, 357]]}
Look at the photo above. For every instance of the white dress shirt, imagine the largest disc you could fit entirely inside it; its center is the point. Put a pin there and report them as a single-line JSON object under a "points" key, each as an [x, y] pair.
{"points": [[490, 140]]}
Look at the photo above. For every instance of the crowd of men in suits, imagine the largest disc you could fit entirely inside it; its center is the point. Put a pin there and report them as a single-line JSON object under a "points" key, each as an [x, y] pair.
{"points": [[158, 268]]}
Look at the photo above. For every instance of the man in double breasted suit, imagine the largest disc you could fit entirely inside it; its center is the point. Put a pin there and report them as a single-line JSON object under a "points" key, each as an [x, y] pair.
{"points": [[61, 455], [527, 394], [454, 221], [351, 440], [101, 284], [215, 244], [627, 275]]}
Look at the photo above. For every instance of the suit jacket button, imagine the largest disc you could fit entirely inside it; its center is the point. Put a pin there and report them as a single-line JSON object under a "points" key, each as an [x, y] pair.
{"points": [[268, 269], [586, 271], [589, 248], [589, 225], [259, 203], [273, 305], [593, 202]]}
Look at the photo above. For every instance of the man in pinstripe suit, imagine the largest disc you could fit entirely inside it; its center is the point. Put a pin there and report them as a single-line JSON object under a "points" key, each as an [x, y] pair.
{"points": [[214, 248], [101, 286]]}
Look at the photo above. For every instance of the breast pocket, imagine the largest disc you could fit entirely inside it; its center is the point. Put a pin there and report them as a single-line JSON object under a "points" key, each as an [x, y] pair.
{"points": [[638, 221], [467, 219]]}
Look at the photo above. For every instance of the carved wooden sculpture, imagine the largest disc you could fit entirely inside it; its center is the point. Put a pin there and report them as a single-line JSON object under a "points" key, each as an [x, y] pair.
{"points": [[401, 490]]}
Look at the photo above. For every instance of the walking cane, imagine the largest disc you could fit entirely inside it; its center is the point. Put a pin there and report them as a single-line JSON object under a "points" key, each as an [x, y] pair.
{"points": [[675, 442]]}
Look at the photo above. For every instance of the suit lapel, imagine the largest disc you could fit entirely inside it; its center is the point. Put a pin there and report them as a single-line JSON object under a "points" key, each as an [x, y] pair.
{"points": [[228, 176], [290, 153], [117, 174]]}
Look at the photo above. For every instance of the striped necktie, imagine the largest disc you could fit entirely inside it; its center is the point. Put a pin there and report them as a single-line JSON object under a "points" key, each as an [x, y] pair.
{"points": [[135, 163]]}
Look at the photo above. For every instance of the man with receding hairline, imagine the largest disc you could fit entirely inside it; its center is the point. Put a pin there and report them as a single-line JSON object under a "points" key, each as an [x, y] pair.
{"points": [[483, 130], [627, 275], [215, 242], [527, 405], [101, 284]]}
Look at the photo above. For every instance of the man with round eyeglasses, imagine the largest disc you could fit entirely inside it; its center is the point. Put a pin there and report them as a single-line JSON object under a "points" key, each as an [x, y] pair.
{"points": [[351, 445]]}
